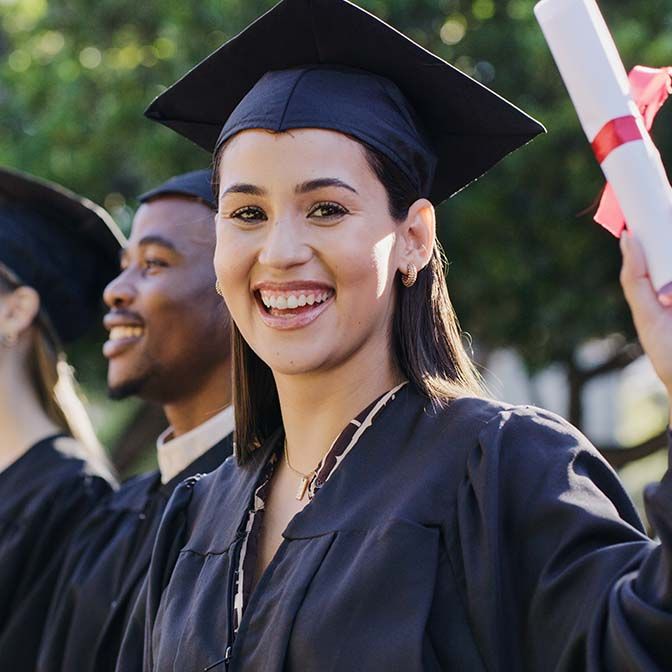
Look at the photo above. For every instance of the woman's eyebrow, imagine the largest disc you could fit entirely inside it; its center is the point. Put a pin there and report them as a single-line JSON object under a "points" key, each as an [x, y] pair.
{"points": [[322, 182], [243, 188]]}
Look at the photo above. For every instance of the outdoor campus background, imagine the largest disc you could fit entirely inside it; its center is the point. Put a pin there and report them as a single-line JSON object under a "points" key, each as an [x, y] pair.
{"points": [[535, 282]]}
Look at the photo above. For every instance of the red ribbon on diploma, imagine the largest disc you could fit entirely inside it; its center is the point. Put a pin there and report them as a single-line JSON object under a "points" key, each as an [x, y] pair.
{"points": [[650, 88], [614, 134]]}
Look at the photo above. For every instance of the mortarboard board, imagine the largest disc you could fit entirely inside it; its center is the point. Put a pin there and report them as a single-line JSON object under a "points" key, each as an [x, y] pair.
{"points": [[196, 184], [62, 245], [330, 64]]}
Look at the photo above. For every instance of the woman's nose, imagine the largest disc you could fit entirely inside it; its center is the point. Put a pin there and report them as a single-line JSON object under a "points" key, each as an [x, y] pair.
{"points": [[285, 246]]}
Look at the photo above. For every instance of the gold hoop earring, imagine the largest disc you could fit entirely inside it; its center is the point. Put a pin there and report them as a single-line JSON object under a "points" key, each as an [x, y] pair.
{"points": [[218, 289], [408, 279]]}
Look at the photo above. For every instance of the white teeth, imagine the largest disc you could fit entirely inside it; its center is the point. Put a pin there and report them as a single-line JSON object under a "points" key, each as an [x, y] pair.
{"points": [[293, 301], [117, 333]]}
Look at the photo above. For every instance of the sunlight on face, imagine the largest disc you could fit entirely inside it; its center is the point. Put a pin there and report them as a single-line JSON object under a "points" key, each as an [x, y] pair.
{"points": [[382, 252], [306, 249]]}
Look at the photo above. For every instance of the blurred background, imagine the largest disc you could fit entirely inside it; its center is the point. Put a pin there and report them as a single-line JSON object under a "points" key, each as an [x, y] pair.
{"points": [[535, 282]]}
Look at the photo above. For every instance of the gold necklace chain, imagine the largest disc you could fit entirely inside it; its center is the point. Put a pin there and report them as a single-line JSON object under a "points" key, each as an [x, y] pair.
{"points": [[305, 478]]}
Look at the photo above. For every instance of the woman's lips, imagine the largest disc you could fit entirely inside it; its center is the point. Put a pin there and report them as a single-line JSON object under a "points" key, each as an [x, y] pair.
{"points": [[292, 309]]}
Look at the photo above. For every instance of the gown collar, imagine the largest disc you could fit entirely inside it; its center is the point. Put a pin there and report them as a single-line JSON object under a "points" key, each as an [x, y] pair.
{"points": [[27, 457], [348, 439], [264, 461], [339, 450]]}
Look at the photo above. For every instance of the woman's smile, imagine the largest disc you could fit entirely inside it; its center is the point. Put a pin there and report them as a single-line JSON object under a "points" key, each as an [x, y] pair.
{"points": [[292, 305]]}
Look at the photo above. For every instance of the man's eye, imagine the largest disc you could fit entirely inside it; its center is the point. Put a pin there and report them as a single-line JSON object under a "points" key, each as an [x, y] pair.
{"points": [[327, 210], [154, 263], [249, 214]]}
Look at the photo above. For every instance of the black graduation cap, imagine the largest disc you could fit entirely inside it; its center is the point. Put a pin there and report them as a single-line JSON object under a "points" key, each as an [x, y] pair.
{"points": [[62, 245], [196, 184], [336, 66]]}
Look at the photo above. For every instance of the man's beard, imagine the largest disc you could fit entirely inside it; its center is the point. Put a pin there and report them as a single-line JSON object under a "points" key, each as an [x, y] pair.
{"points": [[129, 388], [149, 374]]}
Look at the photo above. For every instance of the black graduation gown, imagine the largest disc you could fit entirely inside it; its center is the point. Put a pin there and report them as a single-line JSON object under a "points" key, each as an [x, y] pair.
{"points": [[43, 497], [106, 564], [477, 537]]}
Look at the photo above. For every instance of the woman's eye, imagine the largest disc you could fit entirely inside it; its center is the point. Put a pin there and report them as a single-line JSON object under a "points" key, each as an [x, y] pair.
{"points": [[250, 214], [327, 210]]}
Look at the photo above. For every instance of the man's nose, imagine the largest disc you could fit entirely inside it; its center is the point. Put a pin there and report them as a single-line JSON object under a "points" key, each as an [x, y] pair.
{"points": [[120, 292]]}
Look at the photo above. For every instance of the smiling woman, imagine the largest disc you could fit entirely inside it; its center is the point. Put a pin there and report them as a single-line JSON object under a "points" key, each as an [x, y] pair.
{"points": [[330, 243], [382, 515]]}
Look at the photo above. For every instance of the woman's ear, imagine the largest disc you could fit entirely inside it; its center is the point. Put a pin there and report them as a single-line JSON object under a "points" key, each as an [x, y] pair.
{"points": [[18, 310], [417, 235]]}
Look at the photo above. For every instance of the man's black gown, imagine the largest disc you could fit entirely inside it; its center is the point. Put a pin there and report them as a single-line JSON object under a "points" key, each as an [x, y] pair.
{"points": [[105, 566], [43, 497], [476, 537]]}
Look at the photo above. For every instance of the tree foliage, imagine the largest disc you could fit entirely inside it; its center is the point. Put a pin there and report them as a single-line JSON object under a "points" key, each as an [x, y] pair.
{"points": [[528, 269]]}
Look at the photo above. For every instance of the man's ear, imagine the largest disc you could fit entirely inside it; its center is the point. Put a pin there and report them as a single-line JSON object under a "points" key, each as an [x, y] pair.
{"points": [[417, 236], [18, 311]]}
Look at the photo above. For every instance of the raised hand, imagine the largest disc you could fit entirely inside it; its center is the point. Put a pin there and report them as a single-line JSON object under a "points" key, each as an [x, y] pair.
{"points": [[653, 321]]}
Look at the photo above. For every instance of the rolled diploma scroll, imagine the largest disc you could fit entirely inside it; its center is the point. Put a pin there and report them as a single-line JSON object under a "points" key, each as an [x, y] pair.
{"points": [[591, 68]]}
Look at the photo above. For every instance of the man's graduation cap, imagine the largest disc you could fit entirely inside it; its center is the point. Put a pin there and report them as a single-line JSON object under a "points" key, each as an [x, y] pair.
{"points": [[330, 64], [196, 184], [62, 245]]}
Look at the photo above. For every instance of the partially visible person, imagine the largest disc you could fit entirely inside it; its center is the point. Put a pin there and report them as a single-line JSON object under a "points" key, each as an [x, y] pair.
{"points": [[57, 252], [168, 343]]}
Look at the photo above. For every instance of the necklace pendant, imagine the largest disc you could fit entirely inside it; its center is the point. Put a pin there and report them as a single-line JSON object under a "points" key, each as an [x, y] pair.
{"points": [[303, 486]]}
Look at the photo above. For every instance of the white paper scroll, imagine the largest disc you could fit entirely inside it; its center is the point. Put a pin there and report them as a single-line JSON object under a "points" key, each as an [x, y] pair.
{"points": [[591, 68]]}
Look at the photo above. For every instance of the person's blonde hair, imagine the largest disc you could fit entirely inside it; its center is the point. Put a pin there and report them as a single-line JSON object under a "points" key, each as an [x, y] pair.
{"points": [[54, 383]]}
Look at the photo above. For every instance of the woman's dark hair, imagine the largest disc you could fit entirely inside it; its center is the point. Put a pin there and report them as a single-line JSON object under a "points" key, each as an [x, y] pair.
{"points": [[426, 337]]}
